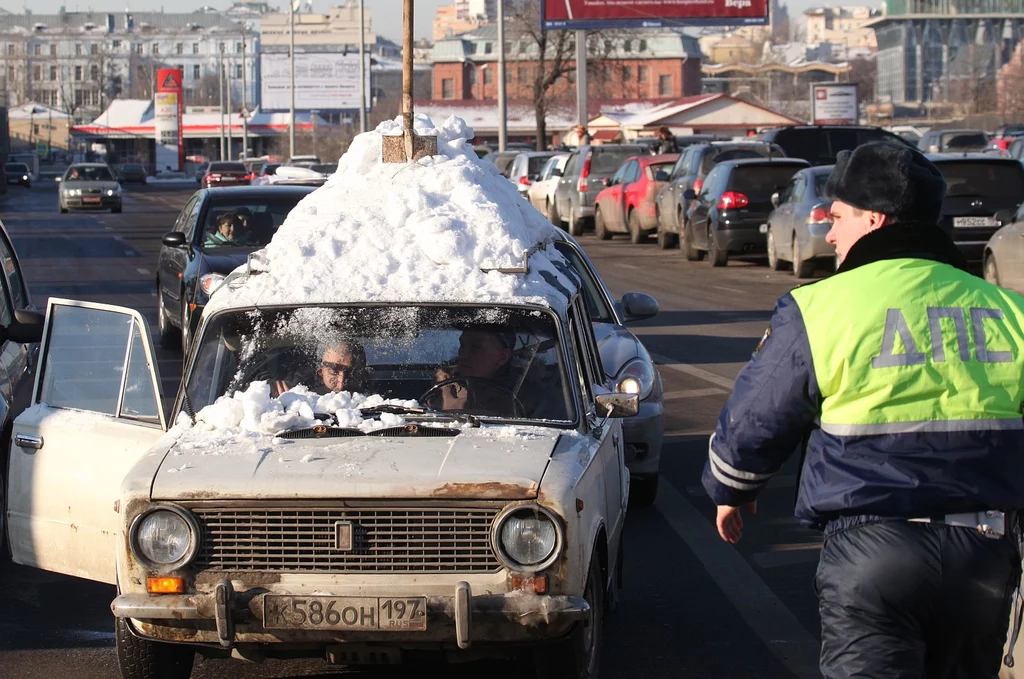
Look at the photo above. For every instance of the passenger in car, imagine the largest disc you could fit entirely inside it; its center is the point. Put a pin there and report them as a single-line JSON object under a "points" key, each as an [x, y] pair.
{"points": [[230, 232], [481, 379]]}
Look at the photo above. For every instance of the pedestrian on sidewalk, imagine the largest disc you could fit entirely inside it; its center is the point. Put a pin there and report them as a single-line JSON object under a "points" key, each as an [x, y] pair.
{"points": [[898, 383]]}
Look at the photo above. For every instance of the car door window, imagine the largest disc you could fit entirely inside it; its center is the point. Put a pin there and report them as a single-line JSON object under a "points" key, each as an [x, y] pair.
{"points": [[680, 167], [697, 159], [597, 303], [19, 295], [632, 172], [586, 374], [789, 193], [570, 166], [618, 177], [714, 178], [545, 172]]}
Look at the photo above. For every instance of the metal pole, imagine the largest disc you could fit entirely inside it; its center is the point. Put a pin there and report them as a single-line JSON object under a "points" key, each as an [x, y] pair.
{"points": [[231, 111], [502, 106], [581, 77], [220, 83], [362, 66], [291, 58], [407, 80], [245, 106]]}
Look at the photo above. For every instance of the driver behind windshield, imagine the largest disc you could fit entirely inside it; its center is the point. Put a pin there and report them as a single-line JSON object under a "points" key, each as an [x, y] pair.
{"points": [[230, 231], [481, 381]]}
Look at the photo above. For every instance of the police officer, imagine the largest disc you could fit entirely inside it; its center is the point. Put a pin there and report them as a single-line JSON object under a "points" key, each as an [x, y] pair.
{"points": [[899, 382]]}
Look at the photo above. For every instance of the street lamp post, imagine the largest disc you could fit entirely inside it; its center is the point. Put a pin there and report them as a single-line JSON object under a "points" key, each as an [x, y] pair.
{"points": [[231, 111], [314, 114], [502, 107], [245, 100], [291, 59], [220, 83]]}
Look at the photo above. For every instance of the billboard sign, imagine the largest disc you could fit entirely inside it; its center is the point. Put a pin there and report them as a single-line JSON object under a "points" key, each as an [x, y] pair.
{"points": [[834, 104], [170, 144], [598, 14], [323, 80]]}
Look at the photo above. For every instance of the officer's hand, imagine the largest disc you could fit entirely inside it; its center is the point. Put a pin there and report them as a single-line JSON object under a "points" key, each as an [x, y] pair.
{"points": [[730, 521]]}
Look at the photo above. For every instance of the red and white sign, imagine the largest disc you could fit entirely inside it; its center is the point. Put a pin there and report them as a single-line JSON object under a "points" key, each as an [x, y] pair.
{"points": [[834, 104], [597, 14], [167, 106]]}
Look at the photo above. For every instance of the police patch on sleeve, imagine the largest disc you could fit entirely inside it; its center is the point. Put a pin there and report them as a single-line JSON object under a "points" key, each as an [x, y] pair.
{"points": [[767, 334]]}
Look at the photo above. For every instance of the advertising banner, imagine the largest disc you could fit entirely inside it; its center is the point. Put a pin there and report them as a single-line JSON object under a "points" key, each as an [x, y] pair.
{"points": [[598, 14], [167, 100], [323, 80], [834, 104]]}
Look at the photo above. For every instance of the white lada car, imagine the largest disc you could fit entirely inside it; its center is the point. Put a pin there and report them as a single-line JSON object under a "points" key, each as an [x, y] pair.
{"points": [[459, 502]]}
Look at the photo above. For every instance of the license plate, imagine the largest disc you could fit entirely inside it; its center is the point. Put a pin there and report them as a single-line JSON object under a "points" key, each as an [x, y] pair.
{"points": [[974, 221], [90, 200], [345, 613]]}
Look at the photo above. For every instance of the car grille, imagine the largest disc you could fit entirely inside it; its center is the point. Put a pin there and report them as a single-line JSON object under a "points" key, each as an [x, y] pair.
{"points": [[426, 540], [91, 192]]}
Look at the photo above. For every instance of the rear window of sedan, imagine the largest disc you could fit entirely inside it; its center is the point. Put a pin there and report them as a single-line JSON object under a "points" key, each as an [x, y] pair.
{"points": [[967, 179], [972, 140], [17, 167], [227, 167], [759, 182], [717, 156]]}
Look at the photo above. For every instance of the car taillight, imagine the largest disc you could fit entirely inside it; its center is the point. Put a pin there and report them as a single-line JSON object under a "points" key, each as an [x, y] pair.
{"points": [[213, 176], [698, 184], [819, 215], [524, 180], [582, 185], [731, 200]]}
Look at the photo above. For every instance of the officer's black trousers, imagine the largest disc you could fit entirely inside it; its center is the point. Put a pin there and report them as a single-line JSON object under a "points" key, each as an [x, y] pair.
{"points": [[914, 601]]}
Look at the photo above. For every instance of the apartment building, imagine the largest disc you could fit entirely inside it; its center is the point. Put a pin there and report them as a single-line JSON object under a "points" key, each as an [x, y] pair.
{"points": [[845, 26]]}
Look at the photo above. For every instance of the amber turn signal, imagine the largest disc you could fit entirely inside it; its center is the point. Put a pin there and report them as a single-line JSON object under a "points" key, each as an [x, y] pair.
{"points": [[165, 585], [539, 584]]}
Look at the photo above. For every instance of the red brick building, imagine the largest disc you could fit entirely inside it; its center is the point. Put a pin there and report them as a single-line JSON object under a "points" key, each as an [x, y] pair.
{"points": [[640, 64]]}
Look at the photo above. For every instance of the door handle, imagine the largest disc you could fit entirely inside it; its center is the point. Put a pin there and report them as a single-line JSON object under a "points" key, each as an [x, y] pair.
{"points": [[28, 442]]}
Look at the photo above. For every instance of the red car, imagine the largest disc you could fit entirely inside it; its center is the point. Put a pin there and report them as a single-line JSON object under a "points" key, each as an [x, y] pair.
{"points": [[627, 204], [225, 173]]}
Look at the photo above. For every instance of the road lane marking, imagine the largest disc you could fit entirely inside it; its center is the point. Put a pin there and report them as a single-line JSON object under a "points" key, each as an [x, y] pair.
{"points": [[763, 611], [693, 393], [693, 371], [143, 271]]}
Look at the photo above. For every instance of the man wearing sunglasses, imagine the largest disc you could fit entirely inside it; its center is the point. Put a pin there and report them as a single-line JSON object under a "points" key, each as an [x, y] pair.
{"points": [[342, 367]]}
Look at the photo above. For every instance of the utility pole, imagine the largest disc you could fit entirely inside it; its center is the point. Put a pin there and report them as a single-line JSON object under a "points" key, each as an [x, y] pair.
{"points": [[220, 83], [231, 111], [291, 59], [362, 65], [502, 105], [245, 101], [581, 77]]}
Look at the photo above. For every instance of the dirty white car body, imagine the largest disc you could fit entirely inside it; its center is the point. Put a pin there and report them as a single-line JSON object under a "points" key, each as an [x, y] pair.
{"points": [[286, 549]]}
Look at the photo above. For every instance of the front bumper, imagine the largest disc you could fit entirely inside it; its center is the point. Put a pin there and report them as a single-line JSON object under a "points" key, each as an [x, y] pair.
{"points": [[105, 203], [643, 435], [227, 617]]}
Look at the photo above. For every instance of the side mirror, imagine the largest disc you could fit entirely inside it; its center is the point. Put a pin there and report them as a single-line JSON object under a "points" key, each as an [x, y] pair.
{"points": [[26, 328], [775, 199], [661, 176], [617, 405], [689, 194], [1004, 217], [637, 306], [174, 239], [556, 172]]}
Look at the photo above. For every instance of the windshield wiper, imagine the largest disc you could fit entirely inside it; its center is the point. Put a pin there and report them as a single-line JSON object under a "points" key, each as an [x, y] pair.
{"points": [[421, 413]]}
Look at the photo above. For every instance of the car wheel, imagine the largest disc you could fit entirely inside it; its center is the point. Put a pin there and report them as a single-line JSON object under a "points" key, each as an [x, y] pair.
{"points": [[991, 272], [600, 230], [774, 263], [169, 335], [575, 223], [716, 254], [144, 659], [636, 234], [666, 240], [579, 656], [63, 210], [553, 213], [801, 269], [686, 244], [643, 490], [116, 209]]}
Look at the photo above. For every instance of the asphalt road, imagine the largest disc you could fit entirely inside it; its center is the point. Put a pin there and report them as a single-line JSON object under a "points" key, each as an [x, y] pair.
{"points": [[693, 606]]}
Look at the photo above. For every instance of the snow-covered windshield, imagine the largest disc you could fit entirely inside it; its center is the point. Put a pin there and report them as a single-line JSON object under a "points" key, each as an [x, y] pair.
{"points": [[494, 362]]}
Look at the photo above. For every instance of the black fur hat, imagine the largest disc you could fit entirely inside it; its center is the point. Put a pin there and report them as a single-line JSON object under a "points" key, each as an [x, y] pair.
{"points": [[896, 181]]}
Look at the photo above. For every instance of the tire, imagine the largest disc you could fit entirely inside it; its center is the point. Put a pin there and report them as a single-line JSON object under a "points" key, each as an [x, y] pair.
{"points": [[63, 210], [801, 269], [716, 254], [686, 244], [774, 263], [667, 240], [991, 272], [575, 224], [600, 230], [145, 659], [553, 214], [116, 210], [643, 490], [636, 234], [169, 335], [579, 656]]}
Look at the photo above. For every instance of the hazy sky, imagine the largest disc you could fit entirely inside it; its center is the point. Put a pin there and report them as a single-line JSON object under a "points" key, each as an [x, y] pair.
{"points": [[386, 14]]}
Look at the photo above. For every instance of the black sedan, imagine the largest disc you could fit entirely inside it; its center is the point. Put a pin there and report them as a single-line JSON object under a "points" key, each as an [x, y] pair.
{"points": [[725, 217], [196, 255], [132, 173]]}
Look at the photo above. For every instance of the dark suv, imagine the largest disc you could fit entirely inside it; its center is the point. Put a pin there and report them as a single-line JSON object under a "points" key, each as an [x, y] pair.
{"points": [[581, 181], [820, 144], [977, 187], [689, 172]]}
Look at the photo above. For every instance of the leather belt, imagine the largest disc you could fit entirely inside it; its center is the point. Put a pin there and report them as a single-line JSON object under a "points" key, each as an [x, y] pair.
{"points": [[990, 523]]}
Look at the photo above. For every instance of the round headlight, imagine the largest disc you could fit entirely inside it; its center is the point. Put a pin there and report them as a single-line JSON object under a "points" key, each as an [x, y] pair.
{"points": [[528, 538], [165, 538], [636, 377]]}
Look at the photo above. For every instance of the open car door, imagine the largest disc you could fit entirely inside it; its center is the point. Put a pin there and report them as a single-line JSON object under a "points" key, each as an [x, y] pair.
{"points": [[95, 411]]}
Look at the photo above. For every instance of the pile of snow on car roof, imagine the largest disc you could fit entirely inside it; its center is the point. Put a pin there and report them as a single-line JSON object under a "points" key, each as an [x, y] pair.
{"points": [[433, 230]]}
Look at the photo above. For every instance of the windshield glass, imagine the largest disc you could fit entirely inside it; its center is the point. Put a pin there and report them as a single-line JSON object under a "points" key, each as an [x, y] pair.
{"points": [[17, 167], [1005, 180], [493, 362], [245, 220], [89, 174], [227, 167]]}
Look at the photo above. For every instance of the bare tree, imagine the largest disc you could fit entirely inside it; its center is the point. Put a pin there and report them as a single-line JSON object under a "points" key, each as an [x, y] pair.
{"points": [[864, 72]]}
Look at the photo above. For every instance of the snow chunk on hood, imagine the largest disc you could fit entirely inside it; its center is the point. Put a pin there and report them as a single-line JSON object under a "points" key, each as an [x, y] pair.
{"points": [[423, 231]]}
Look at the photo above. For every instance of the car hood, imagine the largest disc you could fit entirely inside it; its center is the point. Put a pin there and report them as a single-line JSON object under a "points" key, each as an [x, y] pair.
{"points": [[617, 346], [224, 260], [103, 186], [489, 463]]}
